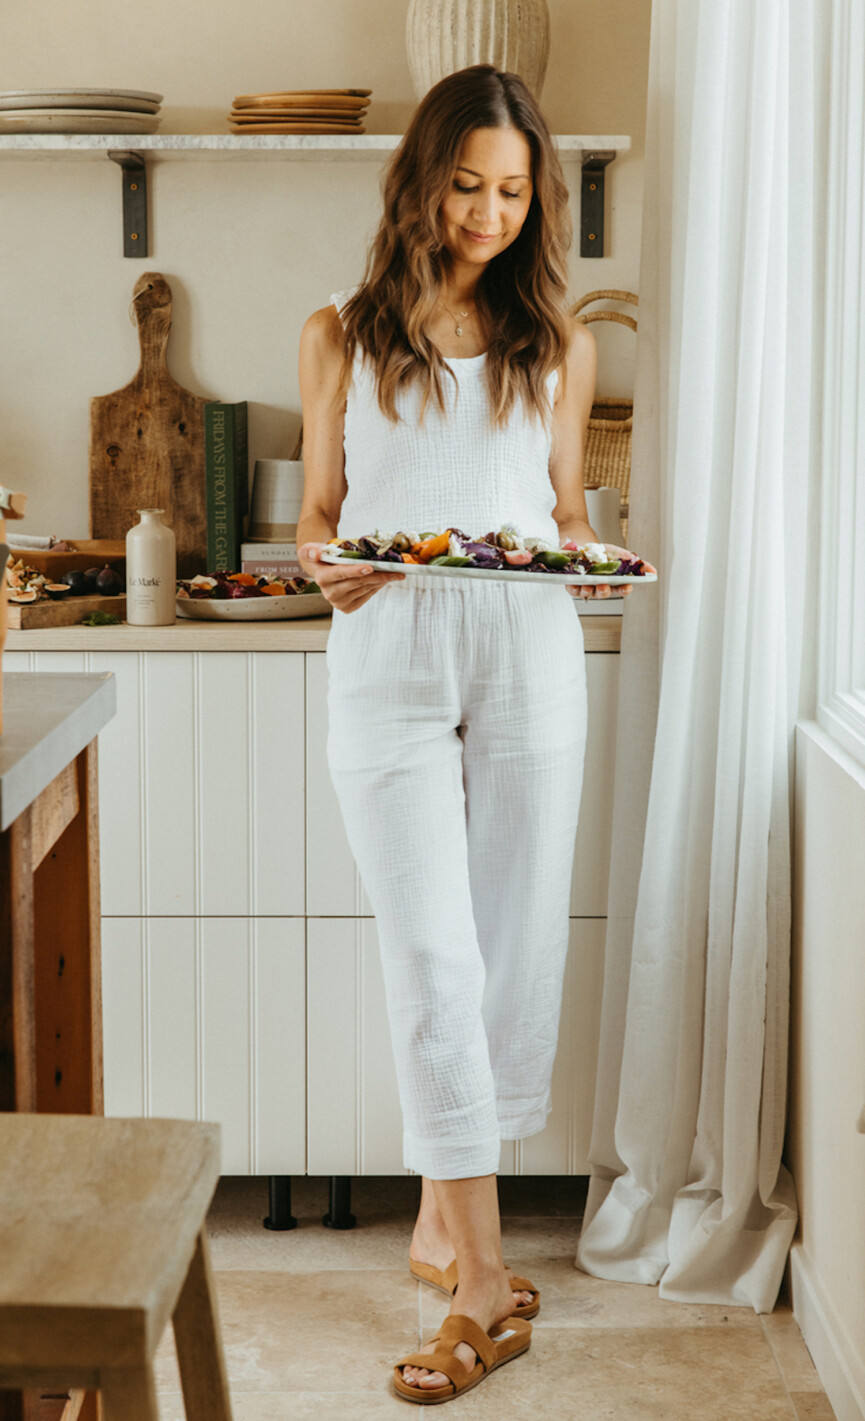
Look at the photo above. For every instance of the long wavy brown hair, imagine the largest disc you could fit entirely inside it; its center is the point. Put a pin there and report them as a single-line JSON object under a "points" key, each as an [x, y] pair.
{"points": [[521, 296]]}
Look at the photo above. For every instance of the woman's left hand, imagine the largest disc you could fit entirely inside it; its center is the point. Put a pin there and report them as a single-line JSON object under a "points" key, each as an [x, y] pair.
{"points": [[603, 589]]}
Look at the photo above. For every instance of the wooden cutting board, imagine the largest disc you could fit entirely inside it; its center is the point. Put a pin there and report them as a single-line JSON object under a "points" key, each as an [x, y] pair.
{"points": [[147, 441], [68, 613]]}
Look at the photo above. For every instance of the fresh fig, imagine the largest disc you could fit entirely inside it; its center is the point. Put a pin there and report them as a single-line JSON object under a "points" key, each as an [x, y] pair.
{"points": [[77, 583], [108, 582], [58, 590], [91, 574]]}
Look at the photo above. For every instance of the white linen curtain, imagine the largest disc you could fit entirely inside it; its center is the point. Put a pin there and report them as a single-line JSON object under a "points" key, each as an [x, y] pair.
{"points": [[687, 1184]]}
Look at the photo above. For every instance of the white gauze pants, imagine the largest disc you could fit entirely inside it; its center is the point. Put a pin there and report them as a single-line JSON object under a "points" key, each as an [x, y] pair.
{"points": [[457, 730]]}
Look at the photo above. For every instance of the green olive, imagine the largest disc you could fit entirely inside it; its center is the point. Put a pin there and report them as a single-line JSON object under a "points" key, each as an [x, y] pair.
{"points": [[401, 542]]}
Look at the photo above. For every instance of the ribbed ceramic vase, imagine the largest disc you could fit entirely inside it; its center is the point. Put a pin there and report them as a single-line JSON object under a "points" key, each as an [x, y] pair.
{"points": [[445, 35]]}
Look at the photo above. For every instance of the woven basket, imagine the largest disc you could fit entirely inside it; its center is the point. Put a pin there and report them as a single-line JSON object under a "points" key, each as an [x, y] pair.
{"points": [[608, 442]]}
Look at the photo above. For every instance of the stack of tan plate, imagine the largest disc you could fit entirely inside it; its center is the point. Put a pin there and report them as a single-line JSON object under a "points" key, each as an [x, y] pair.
{"points": [[79, 111], [301, 111]]}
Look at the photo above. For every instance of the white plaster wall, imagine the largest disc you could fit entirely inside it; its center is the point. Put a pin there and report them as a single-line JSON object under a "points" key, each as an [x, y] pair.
{"points": [[249, 248]]}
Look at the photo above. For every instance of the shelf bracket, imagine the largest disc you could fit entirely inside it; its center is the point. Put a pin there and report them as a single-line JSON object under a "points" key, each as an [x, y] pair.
{"points": [[134, 201], [592, 202]]}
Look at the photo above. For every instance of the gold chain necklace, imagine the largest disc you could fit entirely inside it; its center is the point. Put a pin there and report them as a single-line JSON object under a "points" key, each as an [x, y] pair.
{"points": [[456, 319]]}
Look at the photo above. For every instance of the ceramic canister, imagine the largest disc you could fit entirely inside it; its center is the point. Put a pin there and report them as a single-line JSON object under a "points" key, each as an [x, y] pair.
{"points": [[277, 495], [603, 509]]}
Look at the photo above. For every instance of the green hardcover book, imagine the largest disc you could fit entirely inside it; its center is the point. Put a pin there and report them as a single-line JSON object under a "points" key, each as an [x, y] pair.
{"points": [[241, 461], [224, 527]]}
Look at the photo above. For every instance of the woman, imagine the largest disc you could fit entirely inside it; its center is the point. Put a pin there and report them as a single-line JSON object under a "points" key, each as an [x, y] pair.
{"points": [[451, 388]]}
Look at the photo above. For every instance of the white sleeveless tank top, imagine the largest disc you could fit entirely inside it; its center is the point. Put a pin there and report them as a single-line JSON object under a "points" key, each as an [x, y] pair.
{"points": [[454, 470]]}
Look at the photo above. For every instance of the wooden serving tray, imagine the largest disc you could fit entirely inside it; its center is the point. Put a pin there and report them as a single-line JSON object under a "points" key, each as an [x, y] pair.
{"points": [[91, 552], [26, 616]]}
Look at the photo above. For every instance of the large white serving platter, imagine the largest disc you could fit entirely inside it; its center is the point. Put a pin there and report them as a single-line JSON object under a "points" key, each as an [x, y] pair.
{"points": [[513, 574], [76, 121], [75, 98], [253, 609]]}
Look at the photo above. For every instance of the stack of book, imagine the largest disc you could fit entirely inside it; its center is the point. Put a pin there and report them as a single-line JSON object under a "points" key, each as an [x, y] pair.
{"points": [[301, 111]]}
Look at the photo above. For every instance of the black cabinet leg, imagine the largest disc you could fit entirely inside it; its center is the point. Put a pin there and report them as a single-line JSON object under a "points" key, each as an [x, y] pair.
{"points": [[279, 1194], [339, 1215]]}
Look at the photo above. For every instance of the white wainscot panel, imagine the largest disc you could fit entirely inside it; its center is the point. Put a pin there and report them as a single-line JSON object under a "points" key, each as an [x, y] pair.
{"points": [[123, 868], [354, 1121], [333, 884], [563, 1146], [249, 739], [201, 781], [205, 1019], [170, 847], [594, 831]]}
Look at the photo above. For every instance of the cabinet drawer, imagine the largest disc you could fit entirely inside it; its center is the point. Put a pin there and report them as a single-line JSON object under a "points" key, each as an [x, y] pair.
{"points": [[353, 1111], [204, 1019], [333, 883]]}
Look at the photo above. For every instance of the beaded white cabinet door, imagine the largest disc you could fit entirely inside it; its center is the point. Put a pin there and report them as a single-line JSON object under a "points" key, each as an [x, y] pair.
{"points": [[205, 1019], [353, 1112], [333, 884], [201, 781]]}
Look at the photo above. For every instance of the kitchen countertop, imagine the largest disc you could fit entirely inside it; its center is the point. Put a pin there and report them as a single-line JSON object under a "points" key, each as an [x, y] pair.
{"points": [[295, 634], [48, 718]]}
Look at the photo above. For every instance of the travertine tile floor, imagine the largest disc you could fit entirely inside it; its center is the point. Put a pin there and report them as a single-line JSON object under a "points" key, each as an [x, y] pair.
{"points": [[313, 1320]]}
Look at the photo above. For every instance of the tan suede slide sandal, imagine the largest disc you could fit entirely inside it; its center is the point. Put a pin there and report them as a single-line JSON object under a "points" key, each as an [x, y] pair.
{"points": [[446, 1282], [508, 1340]]}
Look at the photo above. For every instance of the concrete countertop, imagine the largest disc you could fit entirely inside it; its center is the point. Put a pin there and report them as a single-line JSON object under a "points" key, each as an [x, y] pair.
{"points": [[48, 719], [295, 634]]}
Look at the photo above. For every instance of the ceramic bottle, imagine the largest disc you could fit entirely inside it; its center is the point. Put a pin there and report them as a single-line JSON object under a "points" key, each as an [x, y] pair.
{"points": [[151, 571]]}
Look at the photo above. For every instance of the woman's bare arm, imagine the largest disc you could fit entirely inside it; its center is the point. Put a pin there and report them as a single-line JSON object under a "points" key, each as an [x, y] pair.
{"points": [[324, 482]]}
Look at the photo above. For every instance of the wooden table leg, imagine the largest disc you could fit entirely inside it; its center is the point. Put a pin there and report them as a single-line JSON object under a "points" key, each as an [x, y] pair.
{"points": [[17, 999], [50, 970], [68, 960], [199, 1347], [129, 1394]]}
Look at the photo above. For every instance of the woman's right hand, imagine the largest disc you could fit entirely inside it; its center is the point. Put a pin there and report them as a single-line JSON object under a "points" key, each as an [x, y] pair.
{"points": [[346, 587]]}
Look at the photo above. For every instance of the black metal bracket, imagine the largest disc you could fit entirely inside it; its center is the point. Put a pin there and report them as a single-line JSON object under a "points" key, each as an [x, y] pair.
{"points": [[134, 201], [592, 203]]}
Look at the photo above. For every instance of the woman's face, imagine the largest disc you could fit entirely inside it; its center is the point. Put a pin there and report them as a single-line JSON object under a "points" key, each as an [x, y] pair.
{"points": [[490, 194]]}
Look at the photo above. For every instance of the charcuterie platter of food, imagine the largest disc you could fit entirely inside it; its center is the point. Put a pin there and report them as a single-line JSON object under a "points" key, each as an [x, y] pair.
{"points": [[501, 554]]}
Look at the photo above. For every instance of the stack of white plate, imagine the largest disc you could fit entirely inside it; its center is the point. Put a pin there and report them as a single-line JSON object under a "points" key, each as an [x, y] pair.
{"points": [[79, 111]]}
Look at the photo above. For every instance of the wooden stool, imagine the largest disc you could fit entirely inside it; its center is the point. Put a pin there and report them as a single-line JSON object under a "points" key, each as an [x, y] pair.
{"points": [[102, 1239]]}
